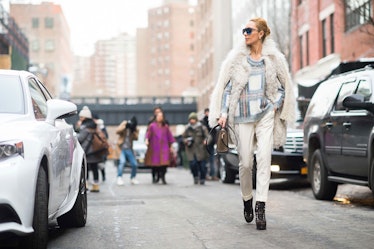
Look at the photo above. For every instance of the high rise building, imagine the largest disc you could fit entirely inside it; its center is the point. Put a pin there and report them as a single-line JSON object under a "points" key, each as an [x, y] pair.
{"points": [[48, 33], [212, 43], [81, 82], [166, 52], [113, 67]]}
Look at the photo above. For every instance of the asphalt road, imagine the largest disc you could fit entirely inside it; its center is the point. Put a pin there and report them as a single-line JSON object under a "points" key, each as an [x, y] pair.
{"points": [[183, 215]]}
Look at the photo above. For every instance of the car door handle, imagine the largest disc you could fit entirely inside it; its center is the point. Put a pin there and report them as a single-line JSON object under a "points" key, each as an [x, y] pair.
{"points": [[329, 124], [347, 124]]}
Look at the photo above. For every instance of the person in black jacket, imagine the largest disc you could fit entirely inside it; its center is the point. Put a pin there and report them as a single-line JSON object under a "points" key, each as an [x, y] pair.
{"points": [[87, 127], [210, 147]]}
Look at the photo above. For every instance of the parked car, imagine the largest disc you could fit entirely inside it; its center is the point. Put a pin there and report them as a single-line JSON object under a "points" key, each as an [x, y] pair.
{"points": [[139, 147], [43, 167], [286, 162], [339, 133]]}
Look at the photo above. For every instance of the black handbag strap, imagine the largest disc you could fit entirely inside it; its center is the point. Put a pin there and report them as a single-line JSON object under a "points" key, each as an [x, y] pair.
{"points": [[213, 132]]}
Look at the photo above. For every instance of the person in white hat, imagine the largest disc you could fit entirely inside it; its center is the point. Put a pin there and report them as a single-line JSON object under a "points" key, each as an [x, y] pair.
{"points": [[83, 114], [85, 124]]}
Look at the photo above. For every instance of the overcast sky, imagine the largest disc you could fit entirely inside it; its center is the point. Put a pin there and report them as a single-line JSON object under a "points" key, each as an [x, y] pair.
{"points": [[92, 20]]}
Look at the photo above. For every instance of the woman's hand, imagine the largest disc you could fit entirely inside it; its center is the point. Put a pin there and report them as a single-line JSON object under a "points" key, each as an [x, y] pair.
{"points": [[222, 121]]}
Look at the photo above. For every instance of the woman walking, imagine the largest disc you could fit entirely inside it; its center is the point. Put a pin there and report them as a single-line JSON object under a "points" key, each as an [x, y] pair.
{"points": [[254, 94], [159, 140]]}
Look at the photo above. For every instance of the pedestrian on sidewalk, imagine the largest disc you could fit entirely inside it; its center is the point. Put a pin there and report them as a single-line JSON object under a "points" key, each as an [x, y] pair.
{"points": [[101, 125], [127, 132], [87, 126], [210, 147], [159, 140], [254, 95], [194, 137]]}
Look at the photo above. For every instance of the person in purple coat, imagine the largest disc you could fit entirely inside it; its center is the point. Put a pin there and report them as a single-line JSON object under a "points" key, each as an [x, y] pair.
{"points": [[159, 140]]}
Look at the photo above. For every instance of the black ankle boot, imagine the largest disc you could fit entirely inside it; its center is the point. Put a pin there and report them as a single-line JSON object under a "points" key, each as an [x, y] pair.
{"points": [[248, 210], [260, 215], [163, 178], [155, 176], [161, 171]]}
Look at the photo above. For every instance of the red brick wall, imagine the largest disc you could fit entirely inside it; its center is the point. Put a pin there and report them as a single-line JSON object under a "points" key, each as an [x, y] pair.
{"points": [[351, 45]]}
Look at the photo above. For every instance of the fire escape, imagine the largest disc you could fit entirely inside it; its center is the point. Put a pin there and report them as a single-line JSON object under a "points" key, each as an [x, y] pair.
{"points": [[14, 46]]}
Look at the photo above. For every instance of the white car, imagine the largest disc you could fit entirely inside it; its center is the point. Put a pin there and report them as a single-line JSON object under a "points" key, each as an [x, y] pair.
{"points": [[42, 165]]}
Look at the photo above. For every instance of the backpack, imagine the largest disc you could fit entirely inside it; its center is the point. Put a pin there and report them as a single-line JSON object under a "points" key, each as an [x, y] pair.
{"points": [[100, 145]]}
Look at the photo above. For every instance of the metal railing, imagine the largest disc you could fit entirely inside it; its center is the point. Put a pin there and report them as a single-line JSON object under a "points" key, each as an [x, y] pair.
{"points": [[133, 100]]}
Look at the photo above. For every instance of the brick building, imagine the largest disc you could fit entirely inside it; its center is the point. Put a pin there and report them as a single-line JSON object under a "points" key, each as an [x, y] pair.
{"points": [[328, 32], [48, 33], [166, 51]]}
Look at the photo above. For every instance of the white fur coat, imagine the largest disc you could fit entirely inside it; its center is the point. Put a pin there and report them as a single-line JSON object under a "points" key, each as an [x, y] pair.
{"points": [[235, 68]]}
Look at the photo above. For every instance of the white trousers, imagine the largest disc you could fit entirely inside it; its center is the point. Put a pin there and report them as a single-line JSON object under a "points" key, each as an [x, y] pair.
{"points": [[257, 137]]}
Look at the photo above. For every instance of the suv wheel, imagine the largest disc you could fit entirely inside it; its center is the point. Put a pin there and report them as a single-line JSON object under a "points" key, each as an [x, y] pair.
{"points": [[371, 179], [322, 188]]}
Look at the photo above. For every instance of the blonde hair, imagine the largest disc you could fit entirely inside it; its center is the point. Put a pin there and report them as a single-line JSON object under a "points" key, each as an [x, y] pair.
{"points": [[262, 25]]}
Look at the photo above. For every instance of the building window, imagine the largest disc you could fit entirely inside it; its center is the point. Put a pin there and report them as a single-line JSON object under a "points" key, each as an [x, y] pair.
{"points": [[4, 48], [35, 22], [324, 38], [49, 45], [35, 45], [307, 47], [332, 33], [301, 51], [357, 12], [48, 22]]}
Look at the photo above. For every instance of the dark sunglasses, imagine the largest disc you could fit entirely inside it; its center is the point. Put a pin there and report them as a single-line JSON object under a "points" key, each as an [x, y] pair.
{"points": [[248, 31]]}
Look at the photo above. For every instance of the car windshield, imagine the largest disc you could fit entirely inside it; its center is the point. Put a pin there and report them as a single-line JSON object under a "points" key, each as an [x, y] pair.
{"points": [[11, 95]]}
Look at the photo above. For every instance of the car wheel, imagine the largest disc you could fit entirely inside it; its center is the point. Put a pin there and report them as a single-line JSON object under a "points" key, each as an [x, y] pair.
{"points": [[39, 238], [77, 216], [227, 175], [322, 188], [371, 179]]}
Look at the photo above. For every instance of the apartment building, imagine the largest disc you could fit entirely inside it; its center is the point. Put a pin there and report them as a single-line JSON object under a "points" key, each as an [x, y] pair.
{"points": [[327, 32], [166, 52], [48, 33], [113, 67]]}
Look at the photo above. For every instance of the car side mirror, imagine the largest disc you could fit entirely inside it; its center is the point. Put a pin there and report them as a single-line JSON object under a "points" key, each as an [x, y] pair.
{"points": [[356, 101], [57, 108]]}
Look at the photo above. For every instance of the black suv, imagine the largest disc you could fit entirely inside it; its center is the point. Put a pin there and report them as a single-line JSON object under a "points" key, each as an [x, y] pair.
{"points": [[339, 133]]}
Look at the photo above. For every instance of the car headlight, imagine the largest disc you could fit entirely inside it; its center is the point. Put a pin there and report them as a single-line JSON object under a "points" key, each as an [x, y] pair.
{"points": [[10, 149]]}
